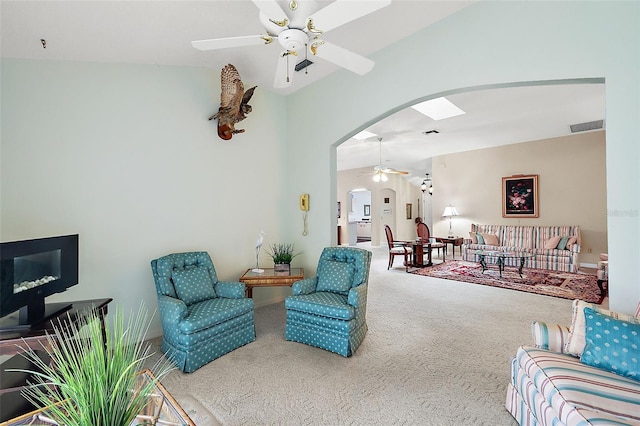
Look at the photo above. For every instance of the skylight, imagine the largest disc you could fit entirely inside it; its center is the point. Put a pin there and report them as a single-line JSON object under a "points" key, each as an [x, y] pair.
{"points": [[438, 108], [363, 135]]}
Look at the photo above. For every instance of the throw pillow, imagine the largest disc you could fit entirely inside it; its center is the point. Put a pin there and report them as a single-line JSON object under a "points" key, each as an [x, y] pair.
{"points": [[193, 285], [612, 344], [571, 241], [480, 239], [474, 237], [576, 341], [552, 242], [490, 239], [562, 245], [335, 277]]}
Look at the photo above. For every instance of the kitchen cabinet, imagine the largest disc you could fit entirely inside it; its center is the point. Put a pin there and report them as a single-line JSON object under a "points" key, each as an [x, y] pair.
{"points": [[364, 230]]}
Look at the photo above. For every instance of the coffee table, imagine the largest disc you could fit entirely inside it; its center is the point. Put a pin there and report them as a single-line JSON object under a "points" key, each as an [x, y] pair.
{"points": [[500, 256], [270, 278]]}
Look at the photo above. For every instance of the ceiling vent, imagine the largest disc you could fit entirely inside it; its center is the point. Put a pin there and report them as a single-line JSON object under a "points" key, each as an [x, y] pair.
{"points": [[590, 125], [430, 132], [302, 65]]}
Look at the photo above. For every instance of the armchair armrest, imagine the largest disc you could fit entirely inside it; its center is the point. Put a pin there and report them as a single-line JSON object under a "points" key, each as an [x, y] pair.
{"points": [[552, 337], [306, 286], [230, 289], [171, 310], [357, 296]]}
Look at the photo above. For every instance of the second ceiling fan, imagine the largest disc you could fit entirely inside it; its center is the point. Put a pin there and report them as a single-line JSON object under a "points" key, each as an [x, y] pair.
{"points": [[380, 173], [298, 28]]}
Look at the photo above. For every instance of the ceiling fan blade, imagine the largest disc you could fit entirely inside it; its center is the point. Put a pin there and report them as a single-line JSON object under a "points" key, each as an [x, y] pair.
{"points": [[394, 171], [271, 9], [224, 43], [284, 71], [342, 57], [342, 11]]}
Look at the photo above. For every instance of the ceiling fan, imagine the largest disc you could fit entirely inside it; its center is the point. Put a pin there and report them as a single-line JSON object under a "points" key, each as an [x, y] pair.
{"points": [[298, 28], [380, 173]]}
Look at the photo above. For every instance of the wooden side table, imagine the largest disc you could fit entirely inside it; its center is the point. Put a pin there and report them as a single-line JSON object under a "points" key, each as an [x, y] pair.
{"points": [[270, 278], [454, 241]]}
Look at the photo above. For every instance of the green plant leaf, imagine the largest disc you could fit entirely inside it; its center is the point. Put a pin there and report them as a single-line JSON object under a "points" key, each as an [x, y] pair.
{"points": [[93, 377]]}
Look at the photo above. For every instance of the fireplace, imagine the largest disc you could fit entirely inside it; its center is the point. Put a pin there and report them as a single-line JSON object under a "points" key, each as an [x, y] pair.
{"points": [[30, 271]]}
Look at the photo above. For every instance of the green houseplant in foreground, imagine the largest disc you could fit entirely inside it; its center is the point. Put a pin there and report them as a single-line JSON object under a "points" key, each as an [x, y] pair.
{"points": [[90, 382]]}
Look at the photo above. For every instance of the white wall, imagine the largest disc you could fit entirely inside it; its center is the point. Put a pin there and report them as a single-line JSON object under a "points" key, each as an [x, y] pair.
{"points": [[488, 43], [124, 155]]}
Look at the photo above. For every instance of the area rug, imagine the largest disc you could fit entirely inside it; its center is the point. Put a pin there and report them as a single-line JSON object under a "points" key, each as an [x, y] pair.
{"points": [[549, 283]]}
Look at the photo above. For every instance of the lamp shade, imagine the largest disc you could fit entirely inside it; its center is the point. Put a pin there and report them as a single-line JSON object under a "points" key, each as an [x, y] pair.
{"points": [[450, 211]]}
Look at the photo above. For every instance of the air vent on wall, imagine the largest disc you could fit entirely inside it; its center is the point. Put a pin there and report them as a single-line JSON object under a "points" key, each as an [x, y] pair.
{"points": [[590, 125], [302, 65]]}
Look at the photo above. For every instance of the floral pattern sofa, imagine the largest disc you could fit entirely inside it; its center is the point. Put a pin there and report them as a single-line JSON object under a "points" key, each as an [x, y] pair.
{"points": [[553, 247], [588, 374]]}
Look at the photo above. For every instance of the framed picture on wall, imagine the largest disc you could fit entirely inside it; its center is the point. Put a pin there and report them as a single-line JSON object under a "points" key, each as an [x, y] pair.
{"points": [[520, 196], [409, 207]]}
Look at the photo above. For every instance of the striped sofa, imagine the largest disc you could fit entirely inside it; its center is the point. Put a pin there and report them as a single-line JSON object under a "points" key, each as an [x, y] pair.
{"points": [[551, 386], [532, 239]]}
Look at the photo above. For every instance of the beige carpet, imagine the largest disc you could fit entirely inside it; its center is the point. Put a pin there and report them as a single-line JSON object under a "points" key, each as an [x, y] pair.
{"points": [[437, 353]]}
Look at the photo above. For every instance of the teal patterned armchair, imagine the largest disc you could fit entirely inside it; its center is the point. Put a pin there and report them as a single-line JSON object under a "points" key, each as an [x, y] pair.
{"points": [[202, 318], [329, 310]]}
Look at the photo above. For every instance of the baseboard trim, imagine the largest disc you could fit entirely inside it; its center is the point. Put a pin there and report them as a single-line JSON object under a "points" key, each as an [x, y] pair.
{"points": [[588, 265]]}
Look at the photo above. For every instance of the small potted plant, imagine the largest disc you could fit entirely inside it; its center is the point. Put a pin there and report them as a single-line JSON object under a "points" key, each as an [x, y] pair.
{"points": [[282, 255]]}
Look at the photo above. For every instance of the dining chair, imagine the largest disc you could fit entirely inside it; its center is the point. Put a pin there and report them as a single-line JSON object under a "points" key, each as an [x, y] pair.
{"points": [[425, 235], [397, 248]]}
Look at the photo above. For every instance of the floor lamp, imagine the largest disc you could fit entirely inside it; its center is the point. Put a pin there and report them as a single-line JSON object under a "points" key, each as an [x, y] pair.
{"points": [[449, 212]]}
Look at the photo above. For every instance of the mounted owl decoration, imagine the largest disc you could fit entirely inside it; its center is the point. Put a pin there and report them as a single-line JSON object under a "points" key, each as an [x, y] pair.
{"points": [[234, 102]]}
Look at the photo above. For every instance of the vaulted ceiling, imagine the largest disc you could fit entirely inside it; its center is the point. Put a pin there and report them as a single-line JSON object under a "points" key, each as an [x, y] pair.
{"points": [[160, 33]]}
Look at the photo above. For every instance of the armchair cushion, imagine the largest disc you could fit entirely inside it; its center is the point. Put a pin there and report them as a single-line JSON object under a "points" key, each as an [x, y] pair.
{"points": [[212, 312], [326, 304], [335, 277], [193, 285]]}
